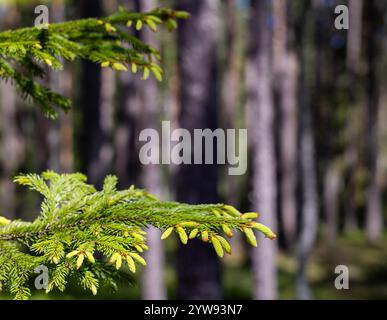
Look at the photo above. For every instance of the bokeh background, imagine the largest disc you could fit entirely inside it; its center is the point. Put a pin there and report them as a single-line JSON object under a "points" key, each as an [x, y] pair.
{"points": [[314, 100]]}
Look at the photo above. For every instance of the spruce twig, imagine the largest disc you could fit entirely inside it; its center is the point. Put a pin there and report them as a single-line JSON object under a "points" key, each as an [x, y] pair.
{"points": [[76, 221]]}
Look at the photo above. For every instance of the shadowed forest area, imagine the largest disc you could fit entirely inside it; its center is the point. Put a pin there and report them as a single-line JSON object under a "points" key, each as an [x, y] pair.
{"points": [[313, 99]]}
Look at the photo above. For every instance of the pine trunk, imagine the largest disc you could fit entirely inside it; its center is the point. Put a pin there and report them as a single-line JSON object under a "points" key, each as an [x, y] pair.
{"points": [[309, 197], [10, 148], [331, 199], [285, 66], [231, 86], [153, 286], [374, 217], [197, 265], [10, 141], [260, 119], [92, 135]]}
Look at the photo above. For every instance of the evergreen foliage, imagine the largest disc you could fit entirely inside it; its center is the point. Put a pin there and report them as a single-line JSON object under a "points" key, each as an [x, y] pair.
{"points": [[90, 235], [26, 53]]}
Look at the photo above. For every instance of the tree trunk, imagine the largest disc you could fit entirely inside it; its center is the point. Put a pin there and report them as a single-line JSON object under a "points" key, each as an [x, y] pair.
{"points": [[352, 163], [10, 148], [354, 39], [355, 65], [127, 164], [260, 118], [93, 156], [309, 198], [60, 131], [374, 217], [153, 286], [309, 211], [197, 265], [331, 205], [10, 141], [230, 86], [231, 89], [285, 66]]}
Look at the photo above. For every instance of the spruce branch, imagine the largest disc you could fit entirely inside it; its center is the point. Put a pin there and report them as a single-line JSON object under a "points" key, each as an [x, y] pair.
{"points": [[77, 221], [26, 53]]}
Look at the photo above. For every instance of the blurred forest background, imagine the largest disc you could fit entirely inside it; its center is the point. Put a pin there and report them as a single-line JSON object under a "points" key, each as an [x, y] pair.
{"points": [[314, 100]]}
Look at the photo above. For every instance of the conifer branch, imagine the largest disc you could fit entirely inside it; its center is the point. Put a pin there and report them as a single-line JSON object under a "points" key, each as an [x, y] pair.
{"points": [[26, 53], [76, 221]]}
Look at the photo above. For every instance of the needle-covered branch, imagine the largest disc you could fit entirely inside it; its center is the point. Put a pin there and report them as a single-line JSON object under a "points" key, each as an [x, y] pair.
{"points": [[76, 222], [26, 53]]}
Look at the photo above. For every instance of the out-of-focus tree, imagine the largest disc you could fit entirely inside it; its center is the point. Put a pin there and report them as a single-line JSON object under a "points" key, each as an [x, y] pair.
{"points": [[355, 66], [10, 140], [153, 286], [285, 68], [260, 120], [10, 148], [309, 198], [230, 94], [374, 216], [94, 158], [354, 39], [197, 266]]}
